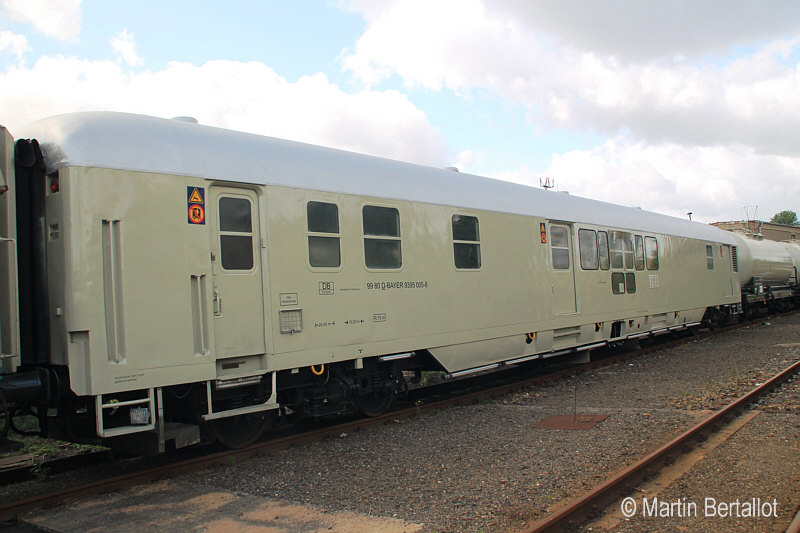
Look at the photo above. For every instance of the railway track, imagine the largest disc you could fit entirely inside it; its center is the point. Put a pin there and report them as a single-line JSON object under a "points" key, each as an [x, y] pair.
{"points": [[26, 467], [416, 406], [591, 504]]}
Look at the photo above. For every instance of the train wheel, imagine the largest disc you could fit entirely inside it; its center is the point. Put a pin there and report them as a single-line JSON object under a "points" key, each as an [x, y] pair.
{"points": [[375, 403], [243, 430]]}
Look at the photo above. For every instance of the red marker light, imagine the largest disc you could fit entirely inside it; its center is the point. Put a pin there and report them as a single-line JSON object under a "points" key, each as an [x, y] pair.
{"points": [[54, 184]]}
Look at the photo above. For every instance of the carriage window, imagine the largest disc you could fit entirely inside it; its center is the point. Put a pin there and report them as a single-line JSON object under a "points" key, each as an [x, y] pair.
{"points": [[630, 282], [323, 234], [235, 233], [616, 250], [628, 240], [651, 251], [618, 282], [234, 215], [639, 252], [587, 240], [466, 242], [602, 246], [709, 257], [384, 223], [559, 244], [621, 250]]}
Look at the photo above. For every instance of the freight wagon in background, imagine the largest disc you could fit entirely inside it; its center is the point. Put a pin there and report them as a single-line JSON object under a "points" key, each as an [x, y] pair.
{"points": [[179, 282]]}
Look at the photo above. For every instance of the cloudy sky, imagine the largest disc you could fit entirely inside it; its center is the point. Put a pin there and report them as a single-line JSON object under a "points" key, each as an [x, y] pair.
{"points": [[675, 106]]}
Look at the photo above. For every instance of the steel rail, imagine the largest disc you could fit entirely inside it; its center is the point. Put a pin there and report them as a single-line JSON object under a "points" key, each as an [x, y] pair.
{"points": [[591, 503], [27, 469]]}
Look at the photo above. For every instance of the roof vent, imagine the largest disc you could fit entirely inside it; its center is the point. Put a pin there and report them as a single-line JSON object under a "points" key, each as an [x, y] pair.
{"points": [[454, 169], [190, 120]]}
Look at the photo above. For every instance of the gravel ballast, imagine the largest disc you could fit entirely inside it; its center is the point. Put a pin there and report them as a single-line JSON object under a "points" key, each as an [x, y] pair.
{"points": [[486, 467]]}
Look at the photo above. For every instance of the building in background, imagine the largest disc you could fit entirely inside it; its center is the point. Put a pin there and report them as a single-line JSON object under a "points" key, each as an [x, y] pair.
{"points": [[773, 232]]}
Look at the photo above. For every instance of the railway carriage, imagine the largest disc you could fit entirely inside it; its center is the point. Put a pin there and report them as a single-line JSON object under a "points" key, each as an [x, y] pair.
{"points": [[179, 282]]}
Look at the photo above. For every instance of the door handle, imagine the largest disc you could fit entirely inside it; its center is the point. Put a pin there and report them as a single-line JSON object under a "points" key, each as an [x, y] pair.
{"points": [[217, 303]]}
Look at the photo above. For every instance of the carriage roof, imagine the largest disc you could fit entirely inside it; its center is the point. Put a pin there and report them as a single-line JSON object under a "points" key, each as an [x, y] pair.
{"points": [[149, 144]]}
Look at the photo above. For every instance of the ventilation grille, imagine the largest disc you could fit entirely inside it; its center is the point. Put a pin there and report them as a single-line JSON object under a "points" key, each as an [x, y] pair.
{"points": [[735, 259], [291, 321]]}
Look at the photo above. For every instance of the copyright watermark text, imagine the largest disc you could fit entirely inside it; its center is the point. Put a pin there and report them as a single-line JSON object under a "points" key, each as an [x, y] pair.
{"points": [[708, 508]]}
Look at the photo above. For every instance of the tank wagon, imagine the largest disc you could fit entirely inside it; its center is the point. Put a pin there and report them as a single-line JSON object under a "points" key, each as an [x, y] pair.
{"points": [[165, 282], [768, 273]]}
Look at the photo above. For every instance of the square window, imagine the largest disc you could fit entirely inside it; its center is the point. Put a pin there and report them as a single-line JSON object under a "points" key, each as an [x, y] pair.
{"points": [[236, 252], [322, 217], [382, 221], [234, 215]]}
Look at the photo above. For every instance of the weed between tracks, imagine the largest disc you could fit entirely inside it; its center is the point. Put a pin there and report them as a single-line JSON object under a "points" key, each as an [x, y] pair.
{"points": [[42, 449]]}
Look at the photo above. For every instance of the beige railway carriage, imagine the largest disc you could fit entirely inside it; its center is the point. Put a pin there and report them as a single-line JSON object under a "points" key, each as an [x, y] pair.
{"points": [[196, 276]]}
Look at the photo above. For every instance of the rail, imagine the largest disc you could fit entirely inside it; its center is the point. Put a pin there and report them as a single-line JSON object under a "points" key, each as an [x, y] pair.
{"points": [[583, 507]]}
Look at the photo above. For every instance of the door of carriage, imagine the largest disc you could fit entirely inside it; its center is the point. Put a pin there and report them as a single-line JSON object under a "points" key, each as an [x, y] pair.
{"points": [[563, 273], [237, 302]]}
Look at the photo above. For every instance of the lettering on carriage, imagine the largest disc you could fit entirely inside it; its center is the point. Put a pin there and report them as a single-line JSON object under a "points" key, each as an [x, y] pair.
{"points": [[325, 288], [394, 285], [325, 324], [288, 298], [128, 379], [354, 321], [379, 317]]}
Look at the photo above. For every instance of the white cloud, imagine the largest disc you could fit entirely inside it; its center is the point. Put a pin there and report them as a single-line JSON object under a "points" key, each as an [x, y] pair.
{"points": [[612, 80], [467, 158], [447, 43], [60, 19], [688, 130], [646, 30], [13, 43], [712, 182], [244, 96], [125, 49]]}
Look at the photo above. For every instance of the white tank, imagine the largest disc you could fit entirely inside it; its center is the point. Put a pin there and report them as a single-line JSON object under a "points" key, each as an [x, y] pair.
{"points": [[768, 260], [794, 251]]}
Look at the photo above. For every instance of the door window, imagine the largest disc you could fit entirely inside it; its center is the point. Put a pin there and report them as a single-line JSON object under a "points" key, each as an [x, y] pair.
{"points": [[235, 233], [559, 243]]}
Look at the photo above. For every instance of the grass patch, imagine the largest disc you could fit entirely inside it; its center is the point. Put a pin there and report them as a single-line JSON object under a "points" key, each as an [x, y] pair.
{"points": [[42, 448]]}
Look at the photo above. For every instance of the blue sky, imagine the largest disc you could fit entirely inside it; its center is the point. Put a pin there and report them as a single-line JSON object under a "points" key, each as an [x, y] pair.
{"points": [[673, 107]]}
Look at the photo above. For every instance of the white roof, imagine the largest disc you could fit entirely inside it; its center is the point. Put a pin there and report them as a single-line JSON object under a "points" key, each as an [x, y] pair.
{"points": [[150, 144]]}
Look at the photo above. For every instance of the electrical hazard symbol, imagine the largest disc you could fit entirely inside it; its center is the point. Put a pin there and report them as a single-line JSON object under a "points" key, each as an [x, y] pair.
{"points": [[197, 215], [196, 199]]}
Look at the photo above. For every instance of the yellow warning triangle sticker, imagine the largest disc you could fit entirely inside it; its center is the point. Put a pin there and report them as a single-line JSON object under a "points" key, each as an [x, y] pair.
{"points": [[195, 197]]}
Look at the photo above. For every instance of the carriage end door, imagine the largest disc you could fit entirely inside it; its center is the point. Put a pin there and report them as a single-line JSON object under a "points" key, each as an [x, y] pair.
{"points": [[237, 301], [563, 274]]}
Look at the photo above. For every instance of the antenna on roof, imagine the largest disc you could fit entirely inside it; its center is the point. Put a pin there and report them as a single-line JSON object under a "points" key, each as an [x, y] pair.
{"points": [[689, 214], [547, 183], [750, 221]]}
